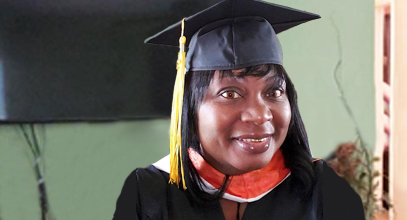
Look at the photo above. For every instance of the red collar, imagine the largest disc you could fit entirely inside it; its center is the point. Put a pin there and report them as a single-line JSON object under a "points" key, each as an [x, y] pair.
{"points": [[247, 187]]}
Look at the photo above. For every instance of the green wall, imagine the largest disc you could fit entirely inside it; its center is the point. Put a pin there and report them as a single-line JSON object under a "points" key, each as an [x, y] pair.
{"points": [[86, 163], [311, 52], [85, 166]]}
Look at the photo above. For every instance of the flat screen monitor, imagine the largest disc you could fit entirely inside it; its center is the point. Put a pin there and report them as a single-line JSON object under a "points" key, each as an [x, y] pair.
{"points": [[81, 60]]}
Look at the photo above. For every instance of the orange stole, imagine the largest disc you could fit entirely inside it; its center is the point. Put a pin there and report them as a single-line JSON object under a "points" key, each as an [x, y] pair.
{"points": [[248, 185]]}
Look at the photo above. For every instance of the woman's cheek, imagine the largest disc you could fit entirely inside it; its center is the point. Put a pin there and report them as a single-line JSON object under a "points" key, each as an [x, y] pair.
{"points": [[285, 112]]}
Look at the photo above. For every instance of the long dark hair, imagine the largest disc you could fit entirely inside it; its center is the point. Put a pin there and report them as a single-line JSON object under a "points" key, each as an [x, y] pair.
{"points": [[295, 148]]}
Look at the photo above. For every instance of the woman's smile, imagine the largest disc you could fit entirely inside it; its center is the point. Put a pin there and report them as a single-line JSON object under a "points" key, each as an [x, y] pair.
{"points": [[254, 144]]}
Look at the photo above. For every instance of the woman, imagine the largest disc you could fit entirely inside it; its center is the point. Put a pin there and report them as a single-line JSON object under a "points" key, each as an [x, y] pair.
{"points": [[239, 149]]}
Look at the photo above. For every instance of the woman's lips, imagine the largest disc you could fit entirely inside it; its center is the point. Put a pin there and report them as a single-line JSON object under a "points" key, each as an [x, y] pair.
{"points": [[254, 145]]}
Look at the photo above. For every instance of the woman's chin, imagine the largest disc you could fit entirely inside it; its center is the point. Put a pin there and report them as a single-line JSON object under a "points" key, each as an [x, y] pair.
{"points": [[248, 163], [247, 167]]}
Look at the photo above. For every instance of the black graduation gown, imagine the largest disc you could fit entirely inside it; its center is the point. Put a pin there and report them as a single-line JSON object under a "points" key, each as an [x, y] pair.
{"points": [[146, 195]]}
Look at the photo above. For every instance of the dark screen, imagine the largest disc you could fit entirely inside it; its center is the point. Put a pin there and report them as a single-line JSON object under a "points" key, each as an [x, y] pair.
{"points": [[88, 61]]}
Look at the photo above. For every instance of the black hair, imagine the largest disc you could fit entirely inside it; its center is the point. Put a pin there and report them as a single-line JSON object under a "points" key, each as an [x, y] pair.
{"points": [[295, 148]]}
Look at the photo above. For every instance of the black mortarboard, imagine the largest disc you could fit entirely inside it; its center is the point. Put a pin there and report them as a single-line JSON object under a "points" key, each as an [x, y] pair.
{"points": [[232, 34]]}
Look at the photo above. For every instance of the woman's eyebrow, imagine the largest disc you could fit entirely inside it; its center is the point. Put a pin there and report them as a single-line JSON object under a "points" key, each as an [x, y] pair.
{"points": [[233, 79], [275, 80], [229, 76]]}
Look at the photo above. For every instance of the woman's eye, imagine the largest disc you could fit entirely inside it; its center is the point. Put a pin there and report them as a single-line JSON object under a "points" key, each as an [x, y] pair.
{"points": [[230, 95], [275, 93]]}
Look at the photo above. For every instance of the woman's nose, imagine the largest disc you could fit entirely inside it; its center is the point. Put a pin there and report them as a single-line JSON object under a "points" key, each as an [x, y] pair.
{"points": [[256, 111]]}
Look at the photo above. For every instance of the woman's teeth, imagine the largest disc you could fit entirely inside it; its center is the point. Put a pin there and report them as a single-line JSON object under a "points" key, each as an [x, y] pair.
{"points": [[254, 145], [253, 140]]}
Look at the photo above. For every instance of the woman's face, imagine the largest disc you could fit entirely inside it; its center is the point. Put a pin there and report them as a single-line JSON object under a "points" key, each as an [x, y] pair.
{"points": [[242, 122]]}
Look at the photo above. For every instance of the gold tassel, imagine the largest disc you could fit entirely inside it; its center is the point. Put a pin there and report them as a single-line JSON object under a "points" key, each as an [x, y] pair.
{"points": [[176, 114]]}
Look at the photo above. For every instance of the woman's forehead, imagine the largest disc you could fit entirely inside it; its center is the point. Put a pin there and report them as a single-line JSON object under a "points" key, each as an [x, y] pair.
{"points": [[271, 78], [241, 73]]}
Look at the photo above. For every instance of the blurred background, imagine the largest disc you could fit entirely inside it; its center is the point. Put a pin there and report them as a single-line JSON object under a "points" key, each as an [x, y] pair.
{"points": [[83, 101]]}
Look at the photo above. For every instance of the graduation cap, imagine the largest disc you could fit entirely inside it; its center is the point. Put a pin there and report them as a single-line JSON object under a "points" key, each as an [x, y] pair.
{"points": [[232, 34]]}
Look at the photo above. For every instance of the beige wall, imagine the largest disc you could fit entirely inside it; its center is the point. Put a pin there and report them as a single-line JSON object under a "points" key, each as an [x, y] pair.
{"points": [[398, 139]]}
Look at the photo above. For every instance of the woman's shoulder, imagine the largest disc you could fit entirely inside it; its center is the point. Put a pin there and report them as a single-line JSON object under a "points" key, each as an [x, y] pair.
{"points": [[142, 186], [150, 182], [147, 179], [340, 201], [332, 184], [150, 174], [318, 167]]}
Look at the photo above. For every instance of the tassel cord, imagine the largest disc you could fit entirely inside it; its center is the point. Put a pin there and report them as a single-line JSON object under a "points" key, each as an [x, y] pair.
{"points": [[176, 115]]}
